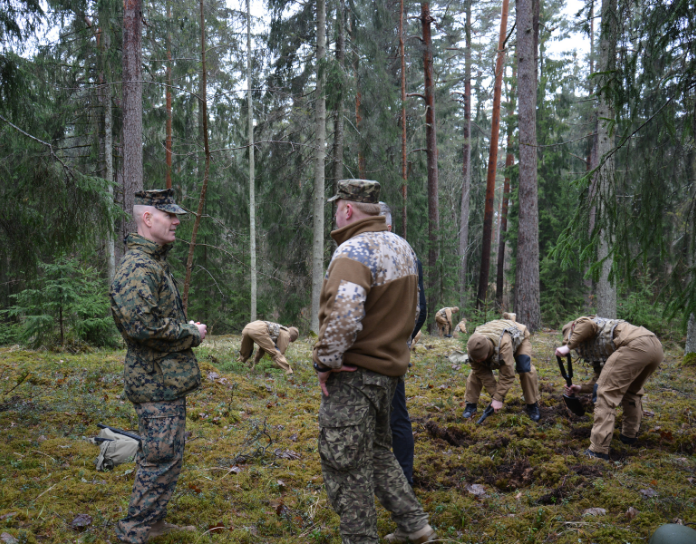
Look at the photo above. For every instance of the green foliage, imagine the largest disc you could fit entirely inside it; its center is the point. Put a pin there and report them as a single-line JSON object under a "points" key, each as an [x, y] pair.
{"points": [[639, 307], [70, 305]]}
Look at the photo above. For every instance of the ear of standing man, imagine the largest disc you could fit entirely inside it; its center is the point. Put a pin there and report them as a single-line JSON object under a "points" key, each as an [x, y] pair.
{"points": [[160, 367]]}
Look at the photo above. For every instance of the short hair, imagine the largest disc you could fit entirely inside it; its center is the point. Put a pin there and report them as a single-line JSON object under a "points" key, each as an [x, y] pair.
{"points": [[366, 208], [385, 210], [139, 210]]}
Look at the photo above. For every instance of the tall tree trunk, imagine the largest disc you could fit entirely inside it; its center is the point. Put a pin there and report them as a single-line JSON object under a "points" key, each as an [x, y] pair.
{"points": [[527, 304], [319, 196], [168, 101], [252, 187], [338, 118], [606, 292], [591, 162], [466, 164], [431, 152], [132, 106], [690, 346], [404, 155], [509, 160], [492, 162], [201, 200]]}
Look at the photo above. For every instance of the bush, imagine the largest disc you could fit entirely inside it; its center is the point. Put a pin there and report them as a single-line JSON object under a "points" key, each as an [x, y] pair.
{"points": [[69, 306]]}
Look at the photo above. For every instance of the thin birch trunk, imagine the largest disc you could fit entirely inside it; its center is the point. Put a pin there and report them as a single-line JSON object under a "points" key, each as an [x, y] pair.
{"points": [[591, 163], [466, 165], [527, 304], [338, 118], [252, 187], [606, 292], [492, 163], [404, 155], [132, 106], [320, 156], [168, 101], [201, 201]]}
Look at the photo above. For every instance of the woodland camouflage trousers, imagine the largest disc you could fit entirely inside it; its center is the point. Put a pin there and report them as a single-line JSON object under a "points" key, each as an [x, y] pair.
{"points": [[162, 426], [356, 458]]}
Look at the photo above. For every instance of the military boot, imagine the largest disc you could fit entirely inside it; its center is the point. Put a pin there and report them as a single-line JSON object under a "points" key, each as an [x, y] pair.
{"points": [[533, 412], [627, 439], [426, 534], [162, 528], [469, 411], [597, 455]]}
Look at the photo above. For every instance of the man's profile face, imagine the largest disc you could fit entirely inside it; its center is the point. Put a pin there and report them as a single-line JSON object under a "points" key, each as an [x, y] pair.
{"points": [[164, 224]]}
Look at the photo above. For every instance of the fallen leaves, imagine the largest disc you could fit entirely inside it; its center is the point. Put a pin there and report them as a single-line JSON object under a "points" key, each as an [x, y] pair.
{"points": [[7, 538], [632, 513], [477, 490], [648, 493], [81, 522], [595, 512], [286, 454]]}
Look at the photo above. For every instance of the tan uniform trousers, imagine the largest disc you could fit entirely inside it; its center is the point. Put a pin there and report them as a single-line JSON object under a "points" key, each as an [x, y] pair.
{"points": [[444, 323], [482, 376], [621, 382], [257, 331]]}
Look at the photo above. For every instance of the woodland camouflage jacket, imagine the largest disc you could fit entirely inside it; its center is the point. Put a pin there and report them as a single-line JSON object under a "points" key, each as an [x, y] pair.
{"points": [[147, 309]]}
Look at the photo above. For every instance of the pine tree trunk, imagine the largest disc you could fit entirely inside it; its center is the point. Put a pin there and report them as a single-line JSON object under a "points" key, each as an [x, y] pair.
{"points": [[404, 155], [509, 160], [591, 164], [527, 274], [690, 346], [168, 100], [252, 187], [132, 106], [605, 291], [204, 188], [466, 165], [431, 152], [338, 118], [319, 196], [492, 163]]}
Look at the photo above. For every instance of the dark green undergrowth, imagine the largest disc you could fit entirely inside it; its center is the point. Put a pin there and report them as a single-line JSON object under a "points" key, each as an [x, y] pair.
{"points": [[252, 471]]}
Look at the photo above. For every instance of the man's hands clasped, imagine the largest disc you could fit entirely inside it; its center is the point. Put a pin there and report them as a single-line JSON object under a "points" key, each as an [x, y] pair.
{"points": [[202, 329]]}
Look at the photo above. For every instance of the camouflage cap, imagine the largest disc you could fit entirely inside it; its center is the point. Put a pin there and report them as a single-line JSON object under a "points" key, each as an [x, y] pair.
{"points": [[357, 190], [162, 199]]}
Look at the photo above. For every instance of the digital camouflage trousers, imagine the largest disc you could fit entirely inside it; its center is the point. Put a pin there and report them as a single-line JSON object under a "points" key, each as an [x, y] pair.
{"points": [[162, 426], [356, 458]]}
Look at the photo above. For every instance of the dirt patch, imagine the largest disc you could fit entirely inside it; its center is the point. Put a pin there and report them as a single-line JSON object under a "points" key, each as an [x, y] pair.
{"points": [[452, 435], [516, 475]]}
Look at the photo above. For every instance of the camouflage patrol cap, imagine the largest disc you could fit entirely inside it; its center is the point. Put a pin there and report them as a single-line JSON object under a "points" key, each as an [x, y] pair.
{"points": [[162, 199], [357, 190]]}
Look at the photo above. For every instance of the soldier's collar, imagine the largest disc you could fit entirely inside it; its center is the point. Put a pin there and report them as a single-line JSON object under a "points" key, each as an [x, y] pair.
{"points": [[371, 224], [135, 240]]}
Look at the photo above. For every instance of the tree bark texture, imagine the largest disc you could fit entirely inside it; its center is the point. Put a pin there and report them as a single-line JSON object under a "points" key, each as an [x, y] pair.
{"points": [[690, 345], [404, 155], [204, 188], [466, 164], [527, 304], [509, 160], [319, 196], [492, 162], [431, 153], [605, 291], [591, 164], [338, 117], [132, 106], [168, 100], [252, 186]]}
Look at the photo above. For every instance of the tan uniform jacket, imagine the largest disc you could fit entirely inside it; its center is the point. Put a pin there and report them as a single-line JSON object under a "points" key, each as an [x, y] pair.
{"points": [[584, 330], [506, 372], [282, 344]]}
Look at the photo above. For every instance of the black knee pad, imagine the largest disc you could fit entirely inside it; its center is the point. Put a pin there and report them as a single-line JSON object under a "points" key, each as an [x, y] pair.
{"points": [[594, 393], [523, 364]]}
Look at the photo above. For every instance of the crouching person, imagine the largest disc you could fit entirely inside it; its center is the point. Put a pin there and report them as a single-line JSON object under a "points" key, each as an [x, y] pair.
{"points": [[501, 345], [623, 357], [271, 338]]}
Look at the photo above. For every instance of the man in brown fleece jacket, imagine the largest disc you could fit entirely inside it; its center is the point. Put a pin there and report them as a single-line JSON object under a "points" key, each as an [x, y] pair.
{"points": [[623, 357], [369, 307]]}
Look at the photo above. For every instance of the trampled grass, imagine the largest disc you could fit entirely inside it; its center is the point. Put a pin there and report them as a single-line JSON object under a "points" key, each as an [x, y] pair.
{"points": [[252, 473]]}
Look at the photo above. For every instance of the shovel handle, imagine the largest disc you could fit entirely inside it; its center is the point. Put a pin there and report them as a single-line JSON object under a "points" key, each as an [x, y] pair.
{"points": [[569, 376]]}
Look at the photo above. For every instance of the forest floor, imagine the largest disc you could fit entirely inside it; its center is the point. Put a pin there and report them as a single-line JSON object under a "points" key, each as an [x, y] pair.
{"points": [[252, 473]]}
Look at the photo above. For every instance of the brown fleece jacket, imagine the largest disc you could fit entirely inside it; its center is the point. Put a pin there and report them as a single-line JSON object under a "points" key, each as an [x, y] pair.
{"points": [[369, 300]]}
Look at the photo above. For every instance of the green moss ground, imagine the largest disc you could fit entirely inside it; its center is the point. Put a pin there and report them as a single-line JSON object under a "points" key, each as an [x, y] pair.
{"points": [[537, 482]]}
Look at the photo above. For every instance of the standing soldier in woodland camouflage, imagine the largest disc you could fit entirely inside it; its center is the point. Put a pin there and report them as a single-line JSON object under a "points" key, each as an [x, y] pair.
{"points": [[160, 367], [623, 357], [369, 306], [503, 345], [272, 338], [443, 319]]}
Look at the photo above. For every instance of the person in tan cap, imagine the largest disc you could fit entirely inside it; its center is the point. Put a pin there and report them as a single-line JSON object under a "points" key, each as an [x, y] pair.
{"points": [[623, 357], [501, 345], [272, 338], [443, 319]]}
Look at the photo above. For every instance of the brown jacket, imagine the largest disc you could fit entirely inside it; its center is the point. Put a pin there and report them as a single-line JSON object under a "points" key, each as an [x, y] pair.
{"points": [[369, 300]]}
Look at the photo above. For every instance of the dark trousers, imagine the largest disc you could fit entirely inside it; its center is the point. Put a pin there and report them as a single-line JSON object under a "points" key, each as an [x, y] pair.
{"points": [[402, 433]]}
